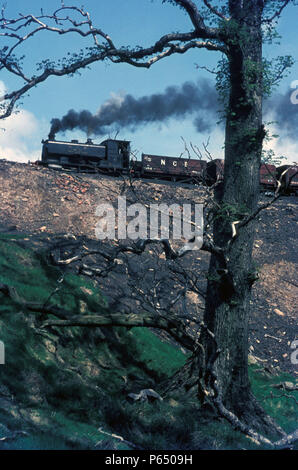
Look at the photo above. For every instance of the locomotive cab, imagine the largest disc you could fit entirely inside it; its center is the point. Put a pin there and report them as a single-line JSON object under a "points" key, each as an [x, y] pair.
{"points": [[117, 153]]}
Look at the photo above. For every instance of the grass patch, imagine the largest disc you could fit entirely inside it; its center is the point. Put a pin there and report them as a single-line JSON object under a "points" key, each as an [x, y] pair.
{"points": [[77, 374], [284, 410]]}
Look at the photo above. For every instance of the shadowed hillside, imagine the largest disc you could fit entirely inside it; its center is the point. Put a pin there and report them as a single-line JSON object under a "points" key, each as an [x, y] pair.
{"points": [[59, 386]]}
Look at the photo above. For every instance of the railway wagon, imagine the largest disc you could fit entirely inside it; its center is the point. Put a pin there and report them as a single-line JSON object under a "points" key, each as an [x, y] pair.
{"points": [[215, 171], [110, 155], [174, 168], [113, 156]]}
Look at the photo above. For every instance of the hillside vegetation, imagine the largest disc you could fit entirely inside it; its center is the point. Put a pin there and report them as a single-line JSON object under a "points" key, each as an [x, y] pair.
{"points": [[43, 201]]}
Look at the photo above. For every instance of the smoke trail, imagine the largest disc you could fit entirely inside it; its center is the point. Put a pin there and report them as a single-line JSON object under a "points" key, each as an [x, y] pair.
{"points": [[128, 112]]}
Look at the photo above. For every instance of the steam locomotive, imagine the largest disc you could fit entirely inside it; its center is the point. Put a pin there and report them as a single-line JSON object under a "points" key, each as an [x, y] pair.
{"points": [[114, 157]]}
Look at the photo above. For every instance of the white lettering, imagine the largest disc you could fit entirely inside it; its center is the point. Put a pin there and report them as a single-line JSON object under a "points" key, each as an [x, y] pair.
{"points": [[105, 227], [294, 355], [137, 228], [2, 353], [118, 460], [121, 218]]}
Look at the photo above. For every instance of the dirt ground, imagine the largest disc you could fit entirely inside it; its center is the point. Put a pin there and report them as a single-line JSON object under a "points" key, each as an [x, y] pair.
{"points": [[39, 200]]}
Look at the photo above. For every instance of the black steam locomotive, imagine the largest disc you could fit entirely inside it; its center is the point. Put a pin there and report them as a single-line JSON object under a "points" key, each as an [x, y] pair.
{"points": [[114, 157]]}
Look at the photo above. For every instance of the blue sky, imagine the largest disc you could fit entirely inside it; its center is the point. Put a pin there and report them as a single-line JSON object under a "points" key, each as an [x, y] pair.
{"points": [[129, 22]]}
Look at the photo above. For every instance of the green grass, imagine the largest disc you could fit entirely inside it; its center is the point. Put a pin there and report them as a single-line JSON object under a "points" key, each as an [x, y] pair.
{"points": [[157, 355], [75, 374], [284, 410]]}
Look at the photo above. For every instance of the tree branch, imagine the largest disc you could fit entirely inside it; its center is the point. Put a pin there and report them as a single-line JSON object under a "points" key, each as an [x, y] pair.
{"points": [[246, 220], [210, 380], [277, 12], [175, 327], [215, 11], [193, 13]]}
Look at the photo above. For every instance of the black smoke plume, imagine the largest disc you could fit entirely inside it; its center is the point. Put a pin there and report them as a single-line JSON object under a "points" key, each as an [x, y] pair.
{"points": [[130, 112]]}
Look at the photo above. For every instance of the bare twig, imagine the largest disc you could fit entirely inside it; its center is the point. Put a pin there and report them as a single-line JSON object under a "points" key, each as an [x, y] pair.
{"points": [[277, 13]]}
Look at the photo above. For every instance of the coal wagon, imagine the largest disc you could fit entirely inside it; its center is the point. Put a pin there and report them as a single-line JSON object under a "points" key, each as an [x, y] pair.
{"points": [[268, 174], [113, 156], [173, 168]]}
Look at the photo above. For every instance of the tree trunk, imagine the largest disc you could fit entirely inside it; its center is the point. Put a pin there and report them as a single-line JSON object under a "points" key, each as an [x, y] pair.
{"points": [[231, 276], [229, 286]]}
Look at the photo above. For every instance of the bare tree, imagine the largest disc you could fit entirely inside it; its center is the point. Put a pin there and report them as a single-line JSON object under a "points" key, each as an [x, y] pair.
{"points": [[236, 29]]}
